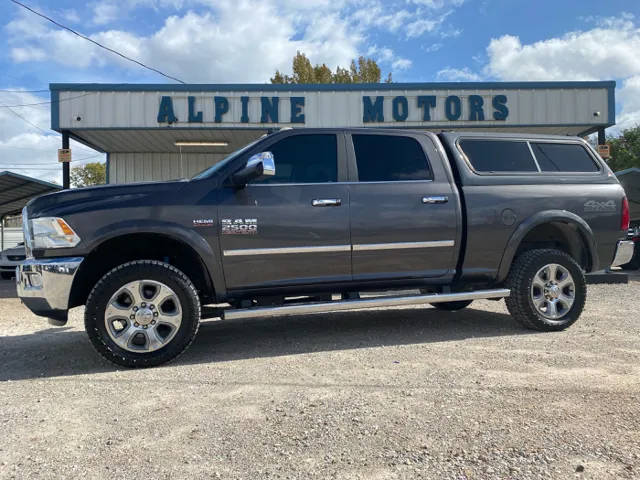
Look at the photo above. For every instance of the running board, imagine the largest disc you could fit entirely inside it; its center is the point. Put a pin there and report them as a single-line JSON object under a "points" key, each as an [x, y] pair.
{"points": [[377, 302]]}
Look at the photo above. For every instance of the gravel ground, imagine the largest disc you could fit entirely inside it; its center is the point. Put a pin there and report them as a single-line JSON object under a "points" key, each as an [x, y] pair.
{"points": [[394, 393]]}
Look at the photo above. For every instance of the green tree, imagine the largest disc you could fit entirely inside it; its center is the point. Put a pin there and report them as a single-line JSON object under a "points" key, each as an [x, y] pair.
{"points": [[88, 174], [364, 70], [625, 149]]}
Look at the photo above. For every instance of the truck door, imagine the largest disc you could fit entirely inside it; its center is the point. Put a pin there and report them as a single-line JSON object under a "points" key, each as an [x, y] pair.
{"points": [[405, 213], [291, 228]]}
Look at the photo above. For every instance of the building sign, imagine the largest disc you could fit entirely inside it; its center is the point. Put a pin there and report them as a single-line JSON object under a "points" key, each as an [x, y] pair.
{"points": [[604, 151], [64, 155], [549, 107], [292, 110]]}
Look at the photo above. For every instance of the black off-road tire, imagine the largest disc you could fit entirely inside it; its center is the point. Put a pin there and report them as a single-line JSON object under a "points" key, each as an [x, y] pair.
{"points": [[129, 272], [7, 275], [519, 281], [452, 306]]}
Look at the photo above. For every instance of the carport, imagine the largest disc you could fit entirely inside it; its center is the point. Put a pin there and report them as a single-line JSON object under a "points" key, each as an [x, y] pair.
{"points": [[15, 191]]}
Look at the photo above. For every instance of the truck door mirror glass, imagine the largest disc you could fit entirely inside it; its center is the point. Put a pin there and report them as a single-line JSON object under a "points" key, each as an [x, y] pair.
{"points": [[259, 165]]}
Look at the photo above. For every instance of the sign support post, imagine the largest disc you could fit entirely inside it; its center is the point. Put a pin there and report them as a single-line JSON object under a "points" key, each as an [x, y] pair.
{"points": [[66, 167]]}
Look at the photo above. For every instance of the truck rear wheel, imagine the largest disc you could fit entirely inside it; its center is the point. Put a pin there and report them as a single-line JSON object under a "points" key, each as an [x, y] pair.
{"points": [[548, 290], [452, 306], [142, 314]]}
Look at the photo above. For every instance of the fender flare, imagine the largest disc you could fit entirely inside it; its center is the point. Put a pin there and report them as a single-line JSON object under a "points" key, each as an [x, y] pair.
{"points": [[207, 253], [540, 218]]}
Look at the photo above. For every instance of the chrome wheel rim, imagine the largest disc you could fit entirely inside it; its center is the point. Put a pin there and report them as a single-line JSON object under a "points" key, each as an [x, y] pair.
{"points": [[143, 316], [553, 291]]}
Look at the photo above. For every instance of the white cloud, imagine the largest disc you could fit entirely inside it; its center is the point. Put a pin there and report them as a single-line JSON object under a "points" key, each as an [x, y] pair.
{"points": [[434, 47], [239, 41], [603, 52], [104, 12], [30, 148], [71, 15], [401, 64], [427, 23], [27, 54], [230, 40], [438, 4], [607, 51], [375, 14], [458, 75], [420, 26], [386, 55], [629, 96]]}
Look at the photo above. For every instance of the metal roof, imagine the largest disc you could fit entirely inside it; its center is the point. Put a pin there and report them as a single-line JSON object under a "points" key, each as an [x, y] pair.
{"points": [[16, 190], [288, 87]]}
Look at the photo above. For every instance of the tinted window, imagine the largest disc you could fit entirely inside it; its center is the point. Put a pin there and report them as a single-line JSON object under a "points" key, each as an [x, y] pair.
{"points": [[498, 156], [384, 158], [304, 159], [559, 157]]}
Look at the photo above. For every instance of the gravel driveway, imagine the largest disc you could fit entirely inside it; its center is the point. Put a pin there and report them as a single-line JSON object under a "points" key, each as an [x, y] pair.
{"points": [[395, 393]]}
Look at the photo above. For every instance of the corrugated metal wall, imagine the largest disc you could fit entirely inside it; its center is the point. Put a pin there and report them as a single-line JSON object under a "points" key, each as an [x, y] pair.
{"points": [[144, 167], [12, 236]]}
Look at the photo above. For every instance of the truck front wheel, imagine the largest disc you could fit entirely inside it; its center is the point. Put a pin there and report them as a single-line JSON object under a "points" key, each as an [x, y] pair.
{"points": [[548, 290], [142, 313]]}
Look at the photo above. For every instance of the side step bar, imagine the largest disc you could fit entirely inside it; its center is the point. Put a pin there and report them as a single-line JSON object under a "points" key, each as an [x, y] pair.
{"points": [[376, 302]]}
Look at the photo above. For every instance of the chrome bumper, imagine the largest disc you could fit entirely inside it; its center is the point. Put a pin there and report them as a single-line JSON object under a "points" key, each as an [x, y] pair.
{"points": [[624, 253], [44, 285]]}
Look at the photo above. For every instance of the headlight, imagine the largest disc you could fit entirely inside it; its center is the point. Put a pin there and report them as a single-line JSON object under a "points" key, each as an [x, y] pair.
{"points": [[52, 232]]}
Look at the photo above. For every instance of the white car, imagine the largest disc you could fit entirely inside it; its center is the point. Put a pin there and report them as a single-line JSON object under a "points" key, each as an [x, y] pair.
{"points": [[10, 259]]}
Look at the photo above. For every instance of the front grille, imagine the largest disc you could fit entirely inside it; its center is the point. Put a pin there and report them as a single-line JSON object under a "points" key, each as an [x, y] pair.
{"points": [[16, 258]]}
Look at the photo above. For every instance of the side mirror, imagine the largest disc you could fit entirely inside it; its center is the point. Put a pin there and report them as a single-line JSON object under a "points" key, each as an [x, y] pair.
{"points": [[259, 165]]}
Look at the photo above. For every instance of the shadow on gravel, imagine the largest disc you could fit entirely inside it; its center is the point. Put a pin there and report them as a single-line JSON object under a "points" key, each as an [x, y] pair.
{"points": [[59, 352]]}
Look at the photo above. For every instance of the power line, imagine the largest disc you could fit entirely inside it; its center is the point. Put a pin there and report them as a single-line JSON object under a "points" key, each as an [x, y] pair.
{"points": [[96, 43], [23, 91], [22, 118], [45, 103]]}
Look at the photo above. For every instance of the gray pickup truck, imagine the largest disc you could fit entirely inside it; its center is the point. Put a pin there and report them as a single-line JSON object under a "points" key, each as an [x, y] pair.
{"points": [[304, 220]]}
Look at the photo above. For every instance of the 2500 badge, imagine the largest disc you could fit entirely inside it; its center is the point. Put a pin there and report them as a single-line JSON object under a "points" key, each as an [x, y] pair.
{"points": [[239, 226]]}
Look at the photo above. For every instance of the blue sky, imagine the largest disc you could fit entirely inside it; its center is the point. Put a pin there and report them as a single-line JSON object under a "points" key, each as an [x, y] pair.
{"points": [[226, 41]]}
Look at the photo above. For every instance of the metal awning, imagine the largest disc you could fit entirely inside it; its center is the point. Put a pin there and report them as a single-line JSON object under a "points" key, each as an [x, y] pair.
{"points": [[16, 190]]}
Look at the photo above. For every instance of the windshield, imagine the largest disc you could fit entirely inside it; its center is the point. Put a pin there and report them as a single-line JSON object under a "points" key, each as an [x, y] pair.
{"points": [[214, 168]]}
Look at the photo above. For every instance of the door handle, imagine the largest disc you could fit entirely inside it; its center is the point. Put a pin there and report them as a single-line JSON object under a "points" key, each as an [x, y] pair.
{"points": [[326, 202], [435, 199]]}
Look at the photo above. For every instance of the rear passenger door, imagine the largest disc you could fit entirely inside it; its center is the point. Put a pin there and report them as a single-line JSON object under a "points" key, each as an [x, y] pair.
{"points": [[405, 215]]}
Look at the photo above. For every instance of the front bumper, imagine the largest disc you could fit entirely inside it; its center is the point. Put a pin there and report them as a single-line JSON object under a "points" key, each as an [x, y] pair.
{"points": [[44, 285], [624, 253], [9, 266]]}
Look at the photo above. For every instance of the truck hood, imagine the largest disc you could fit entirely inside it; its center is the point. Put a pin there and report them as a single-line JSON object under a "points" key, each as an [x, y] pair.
{"points": [[88, 198]]}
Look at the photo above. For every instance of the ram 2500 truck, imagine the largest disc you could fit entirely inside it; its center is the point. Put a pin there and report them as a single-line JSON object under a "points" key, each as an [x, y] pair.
{"points": [[302, 221]]}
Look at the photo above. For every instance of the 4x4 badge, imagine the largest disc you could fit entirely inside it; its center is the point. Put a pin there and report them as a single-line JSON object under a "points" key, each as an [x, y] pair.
{"points": [[595, 206]]}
